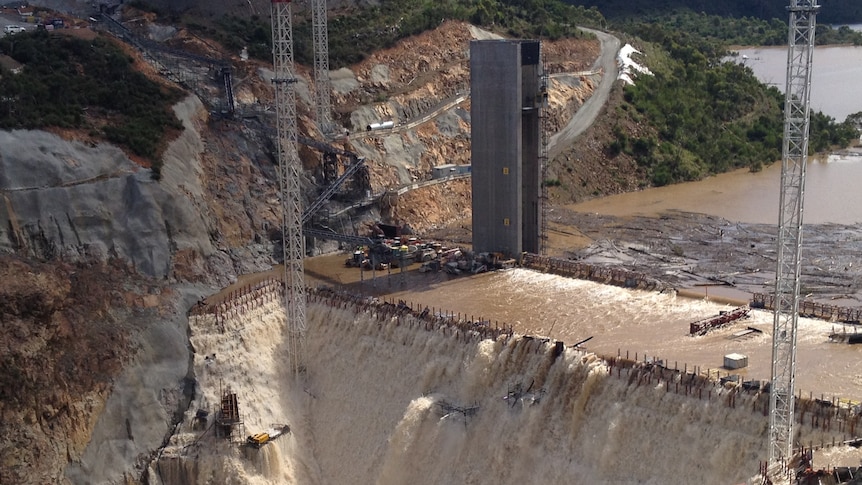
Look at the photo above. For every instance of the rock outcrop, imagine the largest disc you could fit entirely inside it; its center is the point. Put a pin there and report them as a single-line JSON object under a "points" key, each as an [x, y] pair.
{"points": [[76, 202]]}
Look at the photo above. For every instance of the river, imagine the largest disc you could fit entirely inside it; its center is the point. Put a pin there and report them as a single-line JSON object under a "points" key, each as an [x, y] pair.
{"points": [[832, 194], [638, 324]]}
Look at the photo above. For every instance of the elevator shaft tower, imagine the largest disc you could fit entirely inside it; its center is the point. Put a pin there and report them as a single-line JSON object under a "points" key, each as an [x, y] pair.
{"points": [[794, 153], [289, 170]]}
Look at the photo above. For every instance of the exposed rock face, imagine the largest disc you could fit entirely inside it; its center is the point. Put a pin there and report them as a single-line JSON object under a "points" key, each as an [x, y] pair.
{"points": [[60, 346], [433, 207], [99, 333], [147, 396], [95, 334], [81, 203], [426, 78]]}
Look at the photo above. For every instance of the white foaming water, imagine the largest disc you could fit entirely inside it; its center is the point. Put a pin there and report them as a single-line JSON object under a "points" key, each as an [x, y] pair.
{"points": [[386, 401], [642, 322], [246, 354]]}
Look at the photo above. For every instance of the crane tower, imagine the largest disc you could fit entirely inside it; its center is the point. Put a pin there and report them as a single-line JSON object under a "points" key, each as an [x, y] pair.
{"points": [[786, 306], [322, 85], [289, 169]]}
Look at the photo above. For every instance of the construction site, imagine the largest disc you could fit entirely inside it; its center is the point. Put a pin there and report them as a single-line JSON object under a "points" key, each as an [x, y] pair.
{"points": [[508, 223], [362, 357]]}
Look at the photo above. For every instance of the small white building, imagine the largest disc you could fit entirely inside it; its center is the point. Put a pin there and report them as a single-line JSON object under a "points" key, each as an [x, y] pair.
{"points": [[735, 361], [448, 169]]}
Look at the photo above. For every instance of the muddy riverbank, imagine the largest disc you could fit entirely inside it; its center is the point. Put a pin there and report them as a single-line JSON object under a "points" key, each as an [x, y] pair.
{"points": [[703, 255]]}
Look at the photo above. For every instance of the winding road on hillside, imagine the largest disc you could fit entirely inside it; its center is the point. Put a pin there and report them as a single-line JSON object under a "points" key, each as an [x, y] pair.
{"points": [[583, 118], [606, 64], [587, 114]]}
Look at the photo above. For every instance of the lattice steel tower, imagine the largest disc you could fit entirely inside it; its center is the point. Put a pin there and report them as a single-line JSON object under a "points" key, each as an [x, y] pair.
{"points": [[794, 154], [322, 85], [289, 170]]}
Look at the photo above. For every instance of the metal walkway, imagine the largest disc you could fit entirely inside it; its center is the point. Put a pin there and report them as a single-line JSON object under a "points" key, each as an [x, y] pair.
{"points": [[158, 52]]}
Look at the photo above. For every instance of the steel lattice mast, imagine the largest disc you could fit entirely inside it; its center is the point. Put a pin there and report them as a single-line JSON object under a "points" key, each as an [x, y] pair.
{"points": [[289, 169], [786, 305], [322, 86]]}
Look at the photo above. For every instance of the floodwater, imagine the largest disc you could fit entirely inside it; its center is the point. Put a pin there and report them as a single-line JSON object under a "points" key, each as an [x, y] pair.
{"points": [[832, 195], [390, 401], [832, 192], [621, 320], [835, 76], [380, 401]]}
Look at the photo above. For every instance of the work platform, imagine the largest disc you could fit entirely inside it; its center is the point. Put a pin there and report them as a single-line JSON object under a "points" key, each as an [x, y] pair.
{"points": [[847, 335], [228, 420], [701, 327]]}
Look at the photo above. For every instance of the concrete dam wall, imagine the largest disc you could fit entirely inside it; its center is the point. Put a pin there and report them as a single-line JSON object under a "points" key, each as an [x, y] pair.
{"points": [[393, 395]]}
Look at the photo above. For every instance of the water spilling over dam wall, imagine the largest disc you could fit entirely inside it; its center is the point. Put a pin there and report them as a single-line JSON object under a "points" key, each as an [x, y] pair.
{"points": [[585, 271], [393, 395]]}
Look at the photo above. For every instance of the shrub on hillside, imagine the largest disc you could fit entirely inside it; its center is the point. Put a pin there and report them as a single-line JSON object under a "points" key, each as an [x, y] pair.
{"points": [[68, 82]]}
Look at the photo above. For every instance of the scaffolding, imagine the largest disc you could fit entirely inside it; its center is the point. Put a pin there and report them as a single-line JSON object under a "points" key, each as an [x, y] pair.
{"points": [[229, 423], [322, 84], [289, 171]]}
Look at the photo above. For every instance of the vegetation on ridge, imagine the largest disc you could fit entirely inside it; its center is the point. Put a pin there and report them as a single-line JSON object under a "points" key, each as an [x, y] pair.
{"points": [[831, 11], [699, 115], [352, 37], [737, 30], [705, 115], [357, 32], [68, 82]]}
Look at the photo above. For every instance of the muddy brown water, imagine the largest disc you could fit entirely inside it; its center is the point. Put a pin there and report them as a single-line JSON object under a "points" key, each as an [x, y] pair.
{"points": [[644, 324], [653, 324], [832, 192], [649, 324], [832, 195]]}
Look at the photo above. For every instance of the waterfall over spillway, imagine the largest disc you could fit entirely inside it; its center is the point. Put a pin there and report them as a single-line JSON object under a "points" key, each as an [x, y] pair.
{"points": [[392, 397]]}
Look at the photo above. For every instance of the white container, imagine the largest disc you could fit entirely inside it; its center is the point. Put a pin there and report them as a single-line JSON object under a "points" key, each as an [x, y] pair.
{"points": [[735, 361]]}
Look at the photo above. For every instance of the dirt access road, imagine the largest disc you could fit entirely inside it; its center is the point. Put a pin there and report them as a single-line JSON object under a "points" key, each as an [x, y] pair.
{"points": [[587, 114]]}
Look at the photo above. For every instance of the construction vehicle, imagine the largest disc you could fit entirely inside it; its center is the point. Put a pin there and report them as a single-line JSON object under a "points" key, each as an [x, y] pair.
{"points": [[356, 259], [258, 440]]}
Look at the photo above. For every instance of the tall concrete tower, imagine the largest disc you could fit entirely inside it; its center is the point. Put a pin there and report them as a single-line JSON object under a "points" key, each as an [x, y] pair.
{"points": [[505, 85]]}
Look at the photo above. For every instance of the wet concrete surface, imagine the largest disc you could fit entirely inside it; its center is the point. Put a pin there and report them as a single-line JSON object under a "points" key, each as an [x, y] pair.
{"points": [[710, 256], [703, 255]]}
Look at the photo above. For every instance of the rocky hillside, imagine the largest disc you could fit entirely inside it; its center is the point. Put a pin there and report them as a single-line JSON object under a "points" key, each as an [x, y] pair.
{"points": [[68, 331], [100, 262], [420, 79]]}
